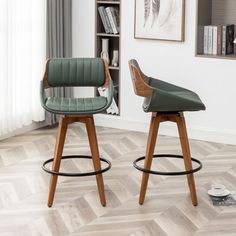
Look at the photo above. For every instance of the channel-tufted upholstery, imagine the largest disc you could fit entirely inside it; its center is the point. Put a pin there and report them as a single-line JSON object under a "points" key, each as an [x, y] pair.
{"points": [[163, 96], [75, 72], [167, 97]]}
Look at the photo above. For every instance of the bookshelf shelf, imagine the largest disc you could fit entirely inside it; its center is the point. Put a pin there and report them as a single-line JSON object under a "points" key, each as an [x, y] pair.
{"points": [[114, 68], [214, 12], [113, 42], [108, 2], [229, 57], [108, 35]]}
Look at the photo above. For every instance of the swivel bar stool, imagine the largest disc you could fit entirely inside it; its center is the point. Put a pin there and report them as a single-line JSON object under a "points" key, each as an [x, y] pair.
{"points": [[73, 72], [167, 102]]}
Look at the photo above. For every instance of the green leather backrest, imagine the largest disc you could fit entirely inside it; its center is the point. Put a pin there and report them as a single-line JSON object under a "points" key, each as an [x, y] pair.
{"points": [[65, 72]]}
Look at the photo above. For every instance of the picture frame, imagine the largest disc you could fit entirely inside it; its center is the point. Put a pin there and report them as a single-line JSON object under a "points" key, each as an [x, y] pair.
{"points": [[160, 20]]}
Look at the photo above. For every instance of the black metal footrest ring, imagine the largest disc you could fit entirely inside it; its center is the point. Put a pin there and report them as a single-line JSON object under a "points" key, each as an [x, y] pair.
{"points": [[76, 174], [167, 173]]}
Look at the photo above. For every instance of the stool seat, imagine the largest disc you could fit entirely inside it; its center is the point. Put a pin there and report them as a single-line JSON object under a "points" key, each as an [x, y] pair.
{"points": [[167, 97], [76, 106]]}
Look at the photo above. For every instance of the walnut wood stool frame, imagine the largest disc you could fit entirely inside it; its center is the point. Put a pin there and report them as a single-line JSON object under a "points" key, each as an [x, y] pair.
{"points": [[156, 119], [61, 135]]}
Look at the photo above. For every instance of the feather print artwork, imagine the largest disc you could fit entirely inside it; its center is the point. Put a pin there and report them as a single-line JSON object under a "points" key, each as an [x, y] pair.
{"points": [[147, 9], [155, 10], [166, 15], [159, 19]]}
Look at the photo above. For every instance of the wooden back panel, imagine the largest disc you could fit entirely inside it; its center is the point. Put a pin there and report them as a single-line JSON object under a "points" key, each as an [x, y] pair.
{"points": [[140, 80]]}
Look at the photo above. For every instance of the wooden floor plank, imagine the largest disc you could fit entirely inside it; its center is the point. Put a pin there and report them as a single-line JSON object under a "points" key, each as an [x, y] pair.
{"points": [[76, 211]]}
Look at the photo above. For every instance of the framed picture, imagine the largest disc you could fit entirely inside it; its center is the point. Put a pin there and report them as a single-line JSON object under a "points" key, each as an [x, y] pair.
{"points": [[160, 19]]}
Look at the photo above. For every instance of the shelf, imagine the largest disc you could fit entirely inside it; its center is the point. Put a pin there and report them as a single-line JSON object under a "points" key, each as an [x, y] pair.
{"points": [[114, 68], [108, 114], [108, 2], [108, 35], [229, 57]]}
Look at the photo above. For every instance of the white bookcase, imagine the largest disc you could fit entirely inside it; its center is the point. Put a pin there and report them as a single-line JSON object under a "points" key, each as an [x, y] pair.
{"points": [[114, 44]]}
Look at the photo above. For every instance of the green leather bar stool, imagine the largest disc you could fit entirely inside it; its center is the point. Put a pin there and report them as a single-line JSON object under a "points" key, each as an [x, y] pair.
{"points": [[76, 72], [166, 102]]}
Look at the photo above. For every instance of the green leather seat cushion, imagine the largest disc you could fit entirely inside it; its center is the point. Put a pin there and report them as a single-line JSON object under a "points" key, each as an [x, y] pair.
{"points": [[74, 105], [167, 97]]}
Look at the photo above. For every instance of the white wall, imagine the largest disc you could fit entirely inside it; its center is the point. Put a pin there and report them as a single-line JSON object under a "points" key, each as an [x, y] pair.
{"points": [[213, 79], [83, 40]]}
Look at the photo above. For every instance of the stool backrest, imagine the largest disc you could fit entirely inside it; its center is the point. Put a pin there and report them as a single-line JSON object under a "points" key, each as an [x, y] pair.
{"points": [[73, 72], [140, 80]]}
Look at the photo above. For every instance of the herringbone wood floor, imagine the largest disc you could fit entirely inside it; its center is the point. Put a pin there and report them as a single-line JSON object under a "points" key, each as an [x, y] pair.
{"points": [[77, 210]]}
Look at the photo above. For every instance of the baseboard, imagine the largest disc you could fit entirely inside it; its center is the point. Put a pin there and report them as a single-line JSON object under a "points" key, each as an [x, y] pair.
{"points": [[33, 126], [222, 136]]}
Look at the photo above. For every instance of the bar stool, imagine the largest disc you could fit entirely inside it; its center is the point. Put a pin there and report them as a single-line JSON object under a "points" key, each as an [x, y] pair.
{"points": [[73, 72], [167, 102]]}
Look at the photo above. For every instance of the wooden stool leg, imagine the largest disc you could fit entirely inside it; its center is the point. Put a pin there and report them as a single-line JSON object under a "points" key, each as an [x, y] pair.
{"points": [[152, 136], [61, 134], [96, 158], [187, 156]]}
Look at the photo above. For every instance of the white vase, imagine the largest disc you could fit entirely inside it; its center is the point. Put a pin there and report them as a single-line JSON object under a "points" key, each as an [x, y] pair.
{"points": [[105, 50], [115, 59]]}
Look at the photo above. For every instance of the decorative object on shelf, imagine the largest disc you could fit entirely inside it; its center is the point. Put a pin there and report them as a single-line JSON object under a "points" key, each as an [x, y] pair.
{"points": [[115, 58], [160, 19], [105, 50], [113, 109], [235, 41]]}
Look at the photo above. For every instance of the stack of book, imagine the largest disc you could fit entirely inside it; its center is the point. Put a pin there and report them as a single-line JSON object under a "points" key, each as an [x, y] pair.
{"points": [[218, 39], [110, 19]]}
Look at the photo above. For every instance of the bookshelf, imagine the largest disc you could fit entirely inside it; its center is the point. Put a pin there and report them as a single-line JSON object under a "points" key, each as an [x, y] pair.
{"points": [[214, 12], [114, 44]]}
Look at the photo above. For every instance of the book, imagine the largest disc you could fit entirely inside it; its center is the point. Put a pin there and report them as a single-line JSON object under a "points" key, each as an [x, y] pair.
{"points": [[210, 41], [219, 39], [111, 20], [229, 200], [205, 30], [214, 40], [229, 47], [108, 21], [103, 18], [116, 17], [224, 40]]}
